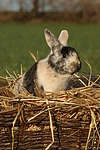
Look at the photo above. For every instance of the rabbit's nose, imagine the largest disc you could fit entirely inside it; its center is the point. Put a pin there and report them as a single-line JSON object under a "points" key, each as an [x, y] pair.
{"points": [[79, 65]]}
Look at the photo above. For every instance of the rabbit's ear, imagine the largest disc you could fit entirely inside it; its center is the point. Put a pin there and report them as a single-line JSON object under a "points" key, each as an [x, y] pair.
{"points": [[63, 37], [51, 40]]}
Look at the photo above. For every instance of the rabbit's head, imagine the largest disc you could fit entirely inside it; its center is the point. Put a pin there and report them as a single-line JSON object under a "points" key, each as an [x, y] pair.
{"points": [[63, 59]]}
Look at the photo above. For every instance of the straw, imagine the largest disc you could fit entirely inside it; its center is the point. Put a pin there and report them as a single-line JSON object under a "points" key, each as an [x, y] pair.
{"points": [[67, 119]]}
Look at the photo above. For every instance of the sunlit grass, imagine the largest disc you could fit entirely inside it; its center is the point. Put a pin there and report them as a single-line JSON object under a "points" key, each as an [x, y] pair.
{"points": [[16, 40]]}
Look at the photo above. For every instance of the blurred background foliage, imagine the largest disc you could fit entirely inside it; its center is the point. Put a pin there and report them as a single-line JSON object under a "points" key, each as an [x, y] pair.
{"points": [[50, 10], [22, 24]]}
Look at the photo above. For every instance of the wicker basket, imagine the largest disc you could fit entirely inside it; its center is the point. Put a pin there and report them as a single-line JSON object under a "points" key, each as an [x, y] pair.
{"points": [[68, 120]]}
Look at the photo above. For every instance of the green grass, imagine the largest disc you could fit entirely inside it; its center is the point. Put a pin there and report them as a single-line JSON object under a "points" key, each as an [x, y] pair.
{"points": [[17, 39]]}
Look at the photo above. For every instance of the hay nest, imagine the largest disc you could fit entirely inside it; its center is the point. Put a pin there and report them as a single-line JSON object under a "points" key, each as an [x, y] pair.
{"points": [[68, 120]]}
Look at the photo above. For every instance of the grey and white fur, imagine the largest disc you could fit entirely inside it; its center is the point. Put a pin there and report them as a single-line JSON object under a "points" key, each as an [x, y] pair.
{"points": [[52, 73]]}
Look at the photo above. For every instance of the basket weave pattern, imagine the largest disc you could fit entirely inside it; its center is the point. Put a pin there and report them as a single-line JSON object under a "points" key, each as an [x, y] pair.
{"points": [[74, 125]]}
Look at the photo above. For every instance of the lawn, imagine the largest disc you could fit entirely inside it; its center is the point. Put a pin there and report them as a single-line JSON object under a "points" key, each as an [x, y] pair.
{"points": [[17, 39]]}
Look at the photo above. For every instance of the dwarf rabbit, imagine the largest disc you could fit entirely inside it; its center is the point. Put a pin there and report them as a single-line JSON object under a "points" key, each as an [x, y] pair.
{"points": [[52, 73]]}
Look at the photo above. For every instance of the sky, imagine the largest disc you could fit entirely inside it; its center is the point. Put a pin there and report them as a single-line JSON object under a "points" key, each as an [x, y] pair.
{"points": [[12, 5]]}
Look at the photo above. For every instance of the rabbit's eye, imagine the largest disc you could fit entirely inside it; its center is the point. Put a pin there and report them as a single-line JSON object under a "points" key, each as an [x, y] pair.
{"points": [[64, 55]]}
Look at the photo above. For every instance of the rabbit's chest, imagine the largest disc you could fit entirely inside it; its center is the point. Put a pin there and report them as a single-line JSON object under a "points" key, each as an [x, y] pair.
{"points": [[49, 80]]}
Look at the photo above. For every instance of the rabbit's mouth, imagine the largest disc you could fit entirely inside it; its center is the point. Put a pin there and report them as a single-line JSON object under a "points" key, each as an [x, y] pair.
{"points": [[77, 67]]}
